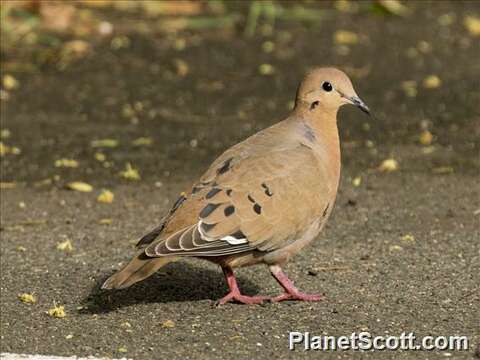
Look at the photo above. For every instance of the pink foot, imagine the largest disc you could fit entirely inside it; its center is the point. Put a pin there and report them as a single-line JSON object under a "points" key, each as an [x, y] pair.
{"points": [[291, 292], [234, 294], [243, 299]]}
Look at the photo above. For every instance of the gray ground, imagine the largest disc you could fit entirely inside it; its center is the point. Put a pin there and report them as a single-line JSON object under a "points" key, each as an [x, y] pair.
{"points": [[373, 278]]}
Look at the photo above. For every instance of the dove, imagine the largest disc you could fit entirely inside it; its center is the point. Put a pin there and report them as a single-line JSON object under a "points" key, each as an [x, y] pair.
{"points": [[262, 200]]}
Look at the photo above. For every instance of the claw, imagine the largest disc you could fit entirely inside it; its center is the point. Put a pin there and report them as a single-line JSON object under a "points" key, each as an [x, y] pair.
{"points": [[291, 292], [243, 299], [297, 296]]}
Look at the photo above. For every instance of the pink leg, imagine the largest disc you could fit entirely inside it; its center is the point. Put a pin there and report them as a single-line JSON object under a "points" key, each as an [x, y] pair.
{"points": [[234, 294], [291, 292]]}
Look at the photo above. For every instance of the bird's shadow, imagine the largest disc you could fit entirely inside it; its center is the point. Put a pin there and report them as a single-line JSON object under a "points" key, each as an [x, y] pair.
{"points": [[179, 281]]}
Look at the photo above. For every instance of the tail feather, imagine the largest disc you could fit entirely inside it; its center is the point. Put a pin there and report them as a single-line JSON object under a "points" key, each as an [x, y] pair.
{"points": [[139, 268]]}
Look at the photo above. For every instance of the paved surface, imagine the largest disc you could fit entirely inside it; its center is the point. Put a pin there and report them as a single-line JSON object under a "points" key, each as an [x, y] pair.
{"points": [[9, 356], [374, 278]]}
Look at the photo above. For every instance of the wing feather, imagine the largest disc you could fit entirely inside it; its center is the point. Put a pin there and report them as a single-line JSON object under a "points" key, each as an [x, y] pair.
{"points": [[246, 203]]}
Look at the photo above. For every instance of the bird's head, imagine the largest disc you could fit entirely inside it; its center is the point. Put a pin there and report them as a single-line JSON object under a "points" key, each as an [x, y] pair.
{"points": [[325, 90]]}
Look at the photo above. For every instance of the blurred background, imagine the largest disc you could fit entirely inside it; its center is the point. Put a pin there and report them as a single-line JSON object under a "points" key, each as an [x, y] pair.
{"points": [[110, 109], [89, 87]]}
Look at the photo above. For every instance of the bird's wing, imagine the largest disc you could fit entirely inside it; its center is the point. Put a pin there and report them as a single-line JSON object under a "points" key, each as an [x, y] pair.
{"points": [[153, 234], [246, 202]]}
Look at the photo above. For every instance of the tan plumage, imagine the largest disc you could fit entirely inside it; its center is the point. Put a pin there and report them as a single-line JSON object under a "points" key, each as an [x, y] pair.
{"points": [[139, 268], [263, 199]]}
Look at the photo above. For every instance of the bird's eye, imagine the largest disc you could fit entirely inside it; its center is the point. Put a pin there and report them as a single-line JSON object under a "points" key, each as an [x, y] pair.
{"points": [[327, 86]]}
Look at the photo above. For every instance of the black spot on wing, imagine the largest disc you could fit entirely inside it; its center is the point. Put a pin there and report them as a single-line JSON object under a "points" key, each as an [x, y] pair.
{"points": [[207, 227], [256, 207], [212, 193], [267, 189], [207, 210], [229, 210], [152, 235], [225, 167], [229, 192], [238, 235]]}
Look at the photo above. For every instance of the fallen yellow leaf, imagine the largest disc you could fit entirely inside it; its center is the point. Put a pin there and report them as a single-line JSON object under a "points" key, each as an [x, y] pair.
{"points": [[388, 165], [472, 24], [266, 69], [27, 298], [9, 82], [168, 324], [69, 163], [344, 37], [106, 196], [125, 324], [65, 246], [4, 149], [7, 185], [100, 157], [80, 186], [394, 7], [408, 237], [107, 143], [105, 221], [142, 141], [57, 311], [395, 248], [357, 181], [5, 134], [426, 138], [130, 173], [432, 82]]}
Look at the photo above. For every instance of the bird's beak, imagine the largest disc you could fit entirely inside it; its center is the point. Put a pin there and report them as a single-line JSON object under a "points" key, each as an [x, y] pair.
{"points": [[360, 104]]}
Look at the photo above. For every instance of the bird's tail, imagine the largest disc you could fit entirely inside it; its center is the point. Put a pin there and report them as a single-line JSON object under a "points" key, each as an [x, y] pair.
{"points": [[139, 268]]}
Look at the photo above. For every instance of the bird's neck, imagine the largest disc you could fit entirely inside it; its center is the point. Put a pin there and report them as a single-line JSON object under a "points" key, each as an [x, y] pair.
{"points": [[324, 126]]}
